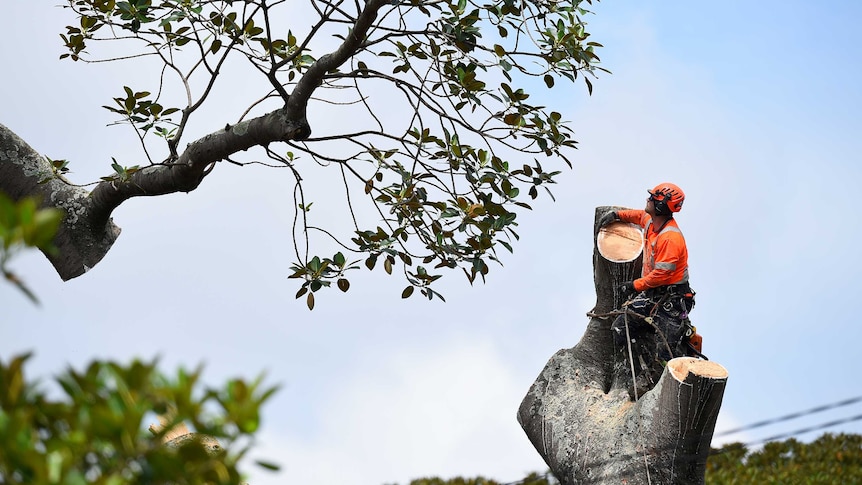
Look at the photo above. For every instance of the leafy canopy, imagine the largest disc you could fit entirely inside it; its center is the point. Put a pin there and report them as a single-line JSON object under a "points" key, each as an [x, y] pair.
{"points": [[831, 458], [426, 115], [95, 431]]}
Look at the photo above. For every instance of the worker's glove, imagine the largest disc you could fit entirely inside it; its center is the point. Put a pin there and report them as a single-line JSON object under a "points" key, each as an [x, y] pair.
{"points": [[627, 288], [608, 218]]}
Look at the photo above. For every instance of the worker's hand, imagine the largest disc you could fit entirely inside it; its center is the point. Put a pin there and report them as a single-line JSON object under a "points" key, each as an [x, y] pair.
{"points": [[627, 288], [608, 218]]}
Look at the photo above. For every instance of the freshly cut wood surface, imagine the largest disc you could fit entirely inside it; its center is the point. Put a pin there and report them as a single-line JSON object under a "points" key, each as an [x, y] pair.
{"points": [[620, 242], [681, 367]]}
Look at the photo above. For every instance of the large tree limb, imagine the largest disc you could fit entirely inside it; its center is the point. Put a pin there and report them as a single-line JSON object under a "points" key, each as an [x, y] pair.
{"points": [[579, 416], [87, 231], [186, 173], [81, 242]]}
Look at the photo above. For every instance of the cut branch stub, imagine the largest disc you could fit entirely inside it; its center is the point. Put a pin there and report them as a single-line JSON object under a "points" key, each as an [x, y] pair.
{"points": [[585, 426], [620, 242]]}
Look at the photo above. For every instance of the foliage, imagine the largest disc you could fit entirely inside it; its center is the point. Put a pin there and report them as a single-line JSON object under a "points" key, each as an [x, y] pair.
{"points": [[827, 460], [531, 479], [830, 459], [23, 225], [95, 432], [431, 123]]}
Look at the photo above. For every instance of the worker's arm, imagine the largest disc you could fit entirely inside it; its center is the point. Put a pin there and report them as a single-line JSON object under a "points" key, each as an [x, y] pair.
{"points": [[670, 259], [634, 216]]}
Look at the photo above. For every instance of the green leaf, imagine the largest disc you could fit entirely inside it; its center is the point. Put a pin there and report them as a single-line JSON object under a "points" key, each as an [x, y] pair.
{"points": [[371, 261], [315, 264], [339, 260], [268, 465], [343, 285], [407, 292]]}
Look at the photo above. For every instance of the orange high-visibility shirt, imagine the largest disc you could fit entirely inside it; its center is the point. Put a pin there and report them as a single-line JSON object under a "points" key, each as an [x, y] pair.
{"points": [[665, 258]]}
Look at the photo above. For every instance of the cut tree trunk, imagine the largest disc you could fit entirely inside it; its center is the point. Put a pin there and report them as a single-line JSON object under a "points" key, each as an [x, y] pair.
{"points": [[580, 417]]}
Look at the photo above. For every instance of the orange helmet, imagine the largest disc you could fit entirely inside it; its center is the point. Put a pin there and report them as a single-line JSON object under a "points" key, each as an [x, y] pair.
{"points": [[667, 198]]}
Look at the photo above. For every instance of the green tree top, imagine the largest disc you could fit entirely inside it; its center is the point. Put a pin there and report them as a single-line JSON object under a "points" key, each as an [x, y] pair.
{"points": [[830, 459], [431, 127]]}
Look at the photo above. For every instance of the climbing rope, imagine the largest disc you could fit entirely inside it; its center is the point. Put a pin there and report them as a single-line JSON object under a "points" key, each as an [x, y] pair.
{"points": [[625, 312], [635, 387], [649, 320]]}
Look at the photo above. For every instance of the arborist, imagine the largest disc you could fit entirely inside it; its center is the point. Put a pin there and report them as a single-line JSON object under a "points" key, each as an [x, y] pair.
{"points": [[661, 298]]}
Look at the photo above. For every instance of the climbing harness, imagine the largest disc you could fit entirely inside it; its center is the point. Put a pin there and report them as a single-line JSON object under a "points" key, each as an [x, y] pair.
{"points": [[693, 340]]}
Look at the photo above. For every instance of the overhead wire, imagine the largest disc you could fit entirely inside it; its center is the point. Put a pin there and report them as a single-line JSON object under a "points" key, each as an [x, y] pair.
{"points": [[788, 417], [801, 431]]}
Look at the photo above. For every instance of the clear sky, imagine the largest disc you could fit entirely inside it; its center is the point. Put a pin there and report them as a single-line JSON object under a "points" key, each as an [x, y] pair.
{"points": [[751, 107]]}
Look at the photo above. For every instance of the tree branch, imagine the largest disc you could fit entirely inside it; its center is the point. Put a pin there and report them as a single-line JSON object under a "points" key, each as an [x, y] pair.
{"points": [[186, 173], [81, 242], [313, 77]]}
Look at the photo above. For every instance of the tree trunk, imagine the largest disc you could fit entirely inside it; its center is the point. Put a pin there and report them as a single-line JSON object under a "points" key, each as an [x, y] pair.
{"points": [[580, 417]]}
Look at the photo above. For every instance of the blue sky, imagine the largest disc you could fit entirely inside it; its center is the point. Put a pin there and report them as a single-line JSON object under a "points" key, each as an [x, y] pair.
{"points": [[752, 108]]}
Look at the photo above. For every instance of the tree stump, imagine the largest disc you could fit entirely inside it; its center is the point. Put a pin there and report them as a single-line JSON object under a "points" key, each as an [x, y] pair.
{"points": [[580, 417]]}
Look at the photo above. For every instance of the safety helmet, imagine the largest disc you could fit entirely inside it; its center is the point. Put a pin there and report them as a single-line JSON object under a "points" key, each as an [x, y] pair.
{"points": [[667, 198]]}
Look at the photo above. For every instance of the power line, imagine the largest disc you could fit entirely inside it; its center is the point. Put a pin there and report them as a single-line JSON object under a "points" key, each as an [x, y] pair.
{"points": [[819, 427], [788, 417]]}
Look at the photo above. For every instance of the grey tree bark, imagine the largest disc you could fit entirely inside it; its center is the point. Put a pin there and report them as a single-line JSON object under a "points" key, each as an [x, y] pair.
{"points": [[581, 419], [87, 231]]}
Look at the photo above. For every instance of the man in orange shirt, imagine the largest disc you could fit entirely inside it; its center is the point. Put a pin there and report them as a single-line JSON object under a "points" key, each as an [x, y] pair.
{"points": [[662, 295]]}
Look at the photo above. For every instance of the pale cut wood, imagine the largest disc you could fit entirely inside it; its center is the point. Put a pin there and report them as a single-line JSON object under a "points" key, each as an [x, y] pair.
{"points": [[620, 242], [681, 367]]}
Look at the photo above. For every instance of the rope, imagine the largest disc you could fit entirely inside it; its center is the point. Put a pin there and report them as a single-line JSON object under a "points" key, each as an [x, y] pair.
{"points": [[635, 387], [626, 312]]}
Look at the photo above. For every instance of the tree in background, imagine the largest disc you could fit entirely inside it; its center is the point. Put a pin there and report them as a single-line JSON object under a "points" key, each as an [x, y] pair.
{"points": [[431, 132], [96, 432], [830, 459]]}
